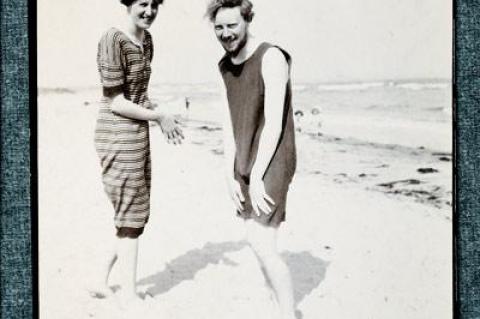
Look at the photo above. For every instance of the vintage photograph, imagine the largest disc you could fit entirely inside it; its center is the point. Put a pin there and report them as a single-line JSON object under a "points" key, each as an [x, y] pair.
{"points": [[245, 159]]}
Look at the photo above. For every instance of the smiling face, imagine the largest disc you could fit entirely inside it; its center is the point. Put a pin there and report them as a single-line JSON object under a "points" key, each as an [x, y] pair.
{"points": [[231, 30], [143, 13]]}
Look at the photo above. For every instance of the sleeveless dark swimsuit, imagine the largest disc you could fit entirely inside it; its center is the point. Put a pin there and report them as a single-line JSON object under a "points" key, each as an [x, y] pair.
{"points": [[245, 92]]}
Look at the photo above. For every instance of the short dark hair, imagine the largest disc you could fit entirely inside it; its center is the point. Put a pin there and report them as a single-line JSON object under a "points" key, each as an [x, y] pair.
{"points": [[245, 8], [128, 3]]}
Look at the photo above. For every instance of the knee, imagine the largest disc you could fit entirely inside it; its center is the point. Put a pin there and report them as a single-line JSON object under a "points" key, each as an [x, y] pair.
{"points": [[262, 240], [265, 252]]}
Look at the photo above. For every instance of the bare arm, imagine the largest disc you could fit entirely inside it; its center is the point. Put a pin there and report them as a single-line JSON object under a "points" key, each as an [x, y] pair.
{"points": [[121, 106], [126, 108], [275, 76]]}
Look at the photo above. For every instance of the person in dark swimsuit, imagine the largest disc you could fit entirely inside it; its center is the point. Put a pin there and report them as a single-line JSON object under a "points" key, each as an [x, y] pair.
{"points": [[259, 136]]}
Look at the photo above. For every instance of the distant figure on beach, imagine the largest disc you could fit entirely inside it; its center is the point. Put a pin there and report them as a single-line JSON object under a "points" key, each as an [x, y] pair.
{"points": [[315, 111], [259, 136], [187, 106], [122, 138], [298, 115]]}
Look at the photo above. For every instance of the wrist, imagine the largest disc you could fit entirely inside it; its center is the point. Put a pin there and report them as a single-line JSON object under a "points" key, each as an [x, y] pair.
{"points": [[159, 117]]}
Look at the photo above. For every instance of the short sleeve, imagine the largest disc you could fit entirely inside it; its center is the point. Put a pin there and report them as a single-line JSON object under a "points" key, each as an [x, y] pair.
{"points": [[110, 60]]}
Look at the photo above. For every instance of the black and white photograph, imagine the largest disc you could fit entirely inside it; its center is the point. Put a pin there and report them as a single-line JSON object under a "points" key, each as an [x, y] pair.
{"points": [[245, 159]]}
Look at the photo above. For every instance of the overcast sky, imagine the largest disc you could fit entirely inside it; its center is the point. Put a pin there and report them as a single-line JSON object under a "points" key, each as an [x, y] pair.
{"points": [[330, 40]]}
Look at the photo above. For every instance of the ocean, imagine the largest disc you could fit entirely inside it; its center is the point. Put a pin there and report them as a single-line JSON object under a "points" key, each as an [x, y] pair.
{"points": [[410, 100], [415, 113]]}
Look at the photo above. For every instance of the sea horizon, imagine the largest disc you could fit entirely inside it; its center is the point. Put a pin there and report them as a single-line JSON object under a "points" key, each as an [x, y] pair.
{"points": [[341, 85]]}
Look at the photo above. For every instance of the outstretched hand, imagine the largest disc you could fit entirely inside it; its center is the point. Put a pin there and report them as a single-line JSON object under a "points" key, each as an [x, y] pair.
{"points": [[259, 197], [171, 130]]}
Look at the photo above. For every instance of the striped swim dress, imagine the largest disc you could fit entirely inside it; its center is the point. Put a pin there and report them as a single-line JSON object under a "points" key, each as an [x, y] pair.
{"points": [[122, 144]]}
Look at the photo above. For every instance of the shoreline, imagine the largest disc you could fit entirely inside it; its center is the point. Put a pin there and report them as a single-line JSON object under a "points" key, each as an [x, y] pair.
{"points": [[424, 177]]}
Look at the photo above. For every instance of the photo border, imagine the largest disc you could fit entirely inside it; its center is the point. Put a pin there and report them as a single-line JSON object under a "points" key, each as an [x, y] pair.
{"points": [[18, 161], [18, 224], [467, 158]]}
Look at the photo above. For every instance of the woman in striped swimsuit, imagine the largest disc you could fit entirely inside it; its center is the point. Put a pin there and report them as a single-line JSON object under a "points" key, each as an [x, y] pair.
{"points": [[122, 136]]}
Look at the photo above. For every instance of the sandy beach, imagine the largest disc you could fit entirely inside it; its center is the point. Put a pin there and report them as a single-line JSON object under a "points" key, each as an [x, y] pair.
{"points": [[368, 231]]}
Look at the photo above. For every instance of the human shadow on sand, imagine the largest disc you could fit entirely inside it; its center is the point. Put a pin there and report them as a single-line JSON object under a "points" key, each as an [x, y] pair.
{"points": [[307, 271], [187, 265]]}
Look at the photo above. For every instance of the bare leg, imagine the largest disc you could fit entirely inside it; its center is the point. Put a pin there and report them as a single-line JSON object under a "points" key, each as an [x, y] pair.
{"points": [[101, 289], [127, 250], [263, 241]]}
